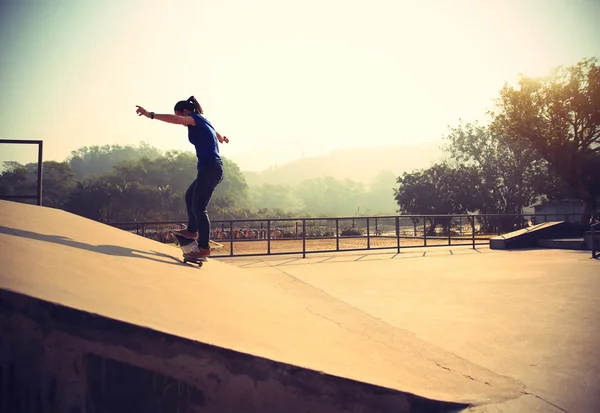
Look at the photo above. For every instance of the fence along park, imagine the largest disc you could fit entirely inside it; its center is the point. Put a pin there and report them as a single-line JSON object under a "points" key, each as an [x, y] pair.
{"points": [[316, 235]]}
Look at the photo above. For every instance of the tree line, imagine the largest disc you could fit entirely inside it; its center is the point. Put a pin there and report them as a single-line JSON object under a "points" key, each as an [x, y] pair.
{"points": [[543, 143], [138, 183]]}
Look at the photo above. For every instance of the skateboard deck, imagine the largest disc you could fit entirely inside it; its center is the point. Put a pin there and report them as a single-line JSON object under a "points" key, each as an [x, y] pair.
{"points": [[188, 245]]}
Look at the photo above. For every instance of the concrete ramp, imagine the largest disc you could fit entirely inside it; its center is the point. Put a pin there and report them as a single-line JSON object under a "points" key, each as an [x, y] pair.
{"points": [[97, 319], [527, 237]]}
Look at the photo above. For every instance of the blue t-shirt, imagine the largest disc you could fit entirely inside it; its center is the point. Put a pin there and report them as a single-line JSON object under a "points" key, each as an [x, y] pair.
{"points": [[204, 137]]}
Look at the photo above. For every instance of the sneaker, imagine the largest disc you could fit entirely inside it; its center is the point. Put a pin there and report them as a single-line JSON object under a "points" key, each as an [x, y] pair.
{"points": [[186, 234], [199, 253]]}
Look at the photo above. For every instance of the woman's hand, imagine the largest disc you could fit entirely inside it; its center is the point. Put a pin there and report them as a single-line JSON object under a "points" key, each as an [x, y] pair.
{"points": [[222, 138], [142, 112]]}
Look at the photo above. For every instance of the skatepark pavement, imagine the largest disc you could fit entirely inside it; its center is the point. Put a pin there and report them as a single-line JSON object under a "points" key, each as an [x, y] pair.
{"points": [[532, 315]]}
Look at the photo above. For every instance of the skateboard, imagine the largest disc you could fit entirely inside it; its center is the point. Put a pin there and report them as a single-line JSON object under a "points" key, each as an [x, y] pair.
{"points": [[188, 245]]}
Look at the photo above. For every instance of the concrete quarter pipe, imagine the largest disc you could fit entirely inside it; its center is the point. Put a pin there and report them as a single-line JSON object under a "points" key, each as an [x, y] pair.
{"points": [[95, 319]]}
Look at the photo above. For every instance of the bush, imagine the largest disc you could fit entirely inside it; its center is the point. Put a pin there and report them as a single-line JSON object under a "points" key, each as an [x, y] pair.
{"points": [[349, 230]]}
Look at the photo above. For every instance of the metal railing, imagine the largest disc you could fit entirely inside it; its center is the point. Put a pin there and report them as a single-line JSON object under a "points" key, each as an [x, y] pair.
{"points": [[38, 195], [278, 236], [595, 253]]}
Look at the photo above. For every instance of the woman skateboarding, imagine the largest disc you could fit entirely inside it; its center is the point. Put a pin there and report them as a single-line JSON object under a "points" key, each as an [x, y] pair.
{"points": [[205, 139]]}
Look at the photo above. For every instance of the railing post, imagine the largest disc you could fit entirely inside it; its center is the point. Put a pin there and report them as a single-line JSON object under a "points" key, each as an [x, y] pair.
{"points": [[398, 233], [449, 232], [593, 235], [40, 172], [424, 231], [337, 234], [473, 230], [303, 238], [231, 238], [368, 235], [268, 235]]}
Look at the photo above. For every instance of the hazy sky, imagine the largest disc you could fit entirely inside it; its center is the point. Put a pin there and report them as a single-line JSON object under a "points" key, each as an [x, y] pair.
{"points": [[273, 75]]}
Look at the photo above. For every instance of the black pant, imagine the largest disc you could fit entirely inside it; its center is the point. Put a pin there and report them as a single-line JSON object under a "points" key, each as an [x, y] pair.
{"points": [[197, 198]]}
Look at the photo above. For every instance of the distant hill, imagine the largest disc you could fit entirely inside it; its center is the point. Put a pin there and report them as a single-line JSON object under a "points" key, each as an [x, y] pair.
{"points": [[357, 164]]}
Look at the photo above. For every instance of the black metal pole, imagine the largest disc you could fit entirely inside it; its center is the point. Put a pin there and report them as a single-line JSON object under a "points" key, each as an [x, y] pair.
{"points": [[368, 236], [231, 238], [268, 236], [593, 235], [303, 238], [473, 231], [337, 234], [398, 232], [40, 170]]}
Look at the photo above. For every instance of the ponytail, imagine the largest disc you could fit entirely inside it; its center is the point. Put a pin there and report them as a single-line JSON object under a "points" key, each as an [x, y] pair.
{"points": [[191, 105], [197, 107]]}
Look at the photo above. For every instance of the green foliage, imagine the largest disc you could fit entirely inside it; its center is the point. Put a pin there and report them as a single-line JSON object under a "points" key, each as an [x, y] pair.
{"points": [[509, 175], [16, 180], [347, 230], [543, 143], [232, 192], [276, 197], [91, 160], [559, 117], [57, 178], [328, 196], [439, 190], [140, 184]]}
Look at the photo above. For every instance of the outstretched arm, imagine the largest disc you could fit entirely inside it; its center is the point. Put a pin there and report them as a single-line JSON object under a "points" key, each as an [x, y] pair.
{"points": [[177, 120]]}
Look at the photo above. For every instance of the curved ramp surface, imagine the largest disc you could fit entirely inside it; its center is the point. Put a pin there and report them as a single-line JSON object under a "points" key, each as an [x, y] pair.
{"points": [[58, 257]]}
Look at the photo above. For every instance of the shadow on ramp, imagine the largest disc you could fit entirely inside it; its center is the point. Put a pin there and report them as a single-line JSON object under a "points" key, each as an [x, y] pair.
{"points": [[114, 250]]}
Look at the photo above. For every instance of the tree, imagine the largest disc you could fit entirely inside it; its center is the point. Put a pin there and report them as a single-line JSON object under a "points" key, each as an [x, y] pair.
{"points": [[15, 180], [509, 171], [439, 190], [57, 180], [278, 197], [559, 117], [91, 199], [232, 192], [327, 196], [512, 175], [154, 189], [90, 160]]}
